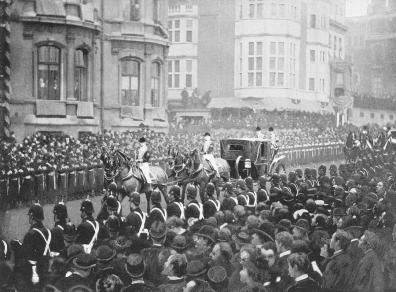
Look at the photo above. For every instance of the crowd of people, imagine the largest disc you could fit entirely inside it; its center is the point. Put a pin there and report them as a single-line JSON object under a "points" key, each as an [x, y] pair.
{"points": [[326, 229], [387, 102]]}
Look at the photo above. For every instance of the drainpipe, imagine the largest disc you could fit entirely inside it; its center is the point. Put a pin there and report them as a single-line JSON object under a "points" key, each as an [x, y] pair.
{"points": [[102, 69]]}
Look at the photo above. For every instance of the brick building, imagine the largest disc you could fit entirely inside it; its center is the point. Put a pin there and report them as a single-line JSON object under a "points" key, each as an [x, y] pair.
{"points": [[87, 65]]}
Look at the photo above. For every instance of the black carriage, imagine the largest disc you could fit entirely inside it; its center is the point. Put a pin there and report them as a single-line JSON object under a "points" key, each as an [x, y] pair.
{"points": [[250, 157]]}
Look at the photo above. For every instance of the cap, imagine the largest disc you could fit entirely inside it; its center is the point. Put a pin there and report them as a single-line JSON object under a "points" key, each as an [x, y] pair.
{"points": [[206, 134], [195, 268], [142, 140], [156, 196], [104, 253], [208, 232]]}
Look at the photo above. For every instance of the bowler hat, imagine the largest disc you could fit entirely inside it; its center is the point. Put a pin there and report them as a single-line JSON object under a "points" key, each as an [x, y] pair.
{"points": [[217, 275], [156, 197], [179, 243], [104, 253], [158, 230], [135, 198], [208, 232], [195, 268], [264, 236], [142, 140], [135, 265], [84, 261]]}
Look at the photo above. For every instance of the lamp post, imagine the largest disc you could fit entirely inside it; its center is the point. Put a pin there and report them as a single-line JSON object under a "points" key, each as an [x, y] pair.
{"points": [[5, 69]]}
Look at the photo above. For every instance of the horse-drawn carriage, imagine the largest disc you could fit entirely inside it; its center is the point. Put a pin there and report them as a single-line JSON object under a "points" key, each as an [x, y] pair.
{"points": [[251, 157]]}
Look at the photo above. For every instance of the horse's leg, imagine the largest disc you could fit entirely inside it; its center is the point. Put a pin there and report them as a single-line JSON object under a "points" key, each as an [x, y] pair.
{"points": [[148, 199]]}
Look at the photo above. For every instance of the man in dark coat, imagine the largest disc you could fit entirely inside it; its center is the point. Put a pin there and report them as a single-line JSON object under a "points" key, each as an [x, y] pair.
{"points": [[338, 269], [81, 274], [298, 268], [368, 276], [135, 267], [151, 255]]}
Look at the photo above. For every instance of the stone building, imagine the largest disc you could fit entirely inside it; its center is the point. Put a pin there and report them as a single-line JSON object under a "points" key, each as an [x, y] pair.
{"points": [[87, 65]]}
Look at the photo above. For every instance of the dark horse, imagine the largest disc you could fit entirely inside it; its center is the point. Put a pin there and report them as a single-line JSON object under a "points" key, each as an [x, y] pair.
{"points": [[126, 174], [189, 168]]}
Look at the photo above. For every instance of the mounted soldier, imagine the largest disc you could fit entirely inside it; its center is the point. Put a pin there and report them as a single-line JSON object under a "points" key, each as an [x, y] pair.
{"points": [[207, 150], [143, 157]]}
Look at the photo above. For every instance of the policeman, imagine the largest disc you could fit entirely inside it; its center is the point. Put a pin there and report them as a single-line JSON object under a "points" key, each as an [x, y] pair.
{"points": [[207, 150], [137, 215], [88, 230], [36, 246], [175, 205], [60, 218], [157, 213], [211, 205], [275, 185], [194, 209], [143, 159]]}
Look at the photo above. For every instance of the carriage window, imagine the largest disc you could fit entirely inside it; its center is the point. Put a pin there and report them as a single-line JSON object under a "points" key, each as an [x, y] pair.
{"points": [[393, 134], [235, 147]]}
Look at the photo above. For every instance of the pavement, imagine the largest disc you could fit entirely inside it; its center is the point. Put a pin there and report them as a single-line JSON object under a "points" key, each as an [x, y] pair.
{"points": [[14, 223]]}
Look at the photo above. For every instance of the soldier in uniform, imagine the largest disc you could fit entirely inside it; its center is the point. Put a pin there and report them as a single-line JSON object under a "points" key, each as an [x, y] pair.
{"points": [[211, 205], [88, 230], [230, 200], [207, 150], [275, 185], [259, 134]]}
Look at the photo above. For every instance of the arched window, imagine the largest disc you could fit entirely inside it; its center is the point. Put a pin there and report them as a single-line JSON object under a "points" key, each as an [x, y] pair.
{"points": [[81, 74], [130, 82], [155, 84], [48, 72]]}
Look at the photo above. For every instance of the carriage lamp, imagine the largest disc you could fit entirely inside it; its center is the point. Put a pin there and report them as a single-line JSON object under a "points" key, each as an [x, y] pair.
{"points": [[248, 164]]}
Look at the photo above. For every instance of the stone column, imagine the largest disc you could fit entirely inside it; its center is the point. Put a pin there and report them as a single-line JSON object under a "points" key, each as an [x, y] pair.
{"points": [[70, 38]]}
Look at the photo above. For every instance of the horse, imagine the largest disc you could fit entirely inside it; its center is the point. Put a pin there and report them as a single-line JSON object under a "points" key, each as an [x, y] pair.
{"points": [[129, 178], [202, 172]]}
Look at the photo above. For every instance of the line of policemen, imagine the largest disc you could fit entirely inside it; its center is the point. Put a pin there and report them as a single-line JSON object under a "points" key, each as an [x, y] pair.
{"points": [[48, 183]]}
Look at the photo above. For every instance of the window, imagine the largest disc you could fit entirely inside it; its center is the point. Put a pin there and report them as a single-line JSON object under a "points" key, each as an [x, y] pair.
{"points": [[362, 114], [48, 72], [135, 10], [189, 33], [174, 74], [312, 84], [155, 11], [176, 32], [81, 75], [251, 48], [189, 73], [313, 55], [260, 8], [255, 64], [277, 64], [313, 21], [251, 10], [189, 80], [372, 115], [391, 117], [189, 36], [155, 84], [130, 82], [72, 9]]}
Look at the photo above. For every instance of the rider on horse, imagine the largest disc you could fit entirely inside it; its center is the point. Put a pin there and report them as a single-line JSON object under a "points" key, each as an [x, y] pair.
{"points": [[143, 159], [207, 150]]}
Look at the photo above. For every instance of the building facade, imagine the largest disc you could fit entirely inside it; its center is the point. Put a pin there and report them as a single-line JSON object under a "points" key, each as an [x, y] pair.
{"points": [[86, 65], [183, 53], [371, 44], [282, 50]]}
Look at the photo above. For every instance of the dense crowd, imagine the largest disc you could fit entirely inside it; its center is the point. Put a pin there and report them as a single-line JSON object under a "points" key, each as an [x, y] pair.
{"points": [[313, 230], [385, 102], [248, 119]]}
